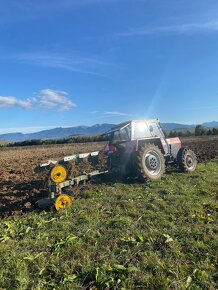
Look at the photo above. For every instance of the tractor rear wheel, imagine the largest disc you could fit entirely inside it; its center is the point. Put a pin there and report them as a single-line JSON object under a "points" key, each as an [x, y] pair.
{"points": [[186, 160], [150, 163]]}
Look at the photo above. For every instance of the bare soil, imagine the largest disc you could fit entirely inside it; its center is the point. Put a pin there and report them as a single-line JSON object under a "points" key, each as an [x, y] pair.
{"points": [[205, 147], [21, 187]]}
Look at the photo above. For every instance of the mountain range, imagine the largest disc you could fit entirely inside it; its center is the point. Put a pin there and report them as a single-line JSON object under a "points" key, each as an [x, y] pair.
{"points": [[60, 132]]}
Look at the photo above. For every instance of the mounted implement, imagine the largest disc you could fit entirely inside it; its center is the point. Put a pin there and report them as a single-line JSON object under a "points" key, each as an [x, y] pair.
{"points": [[136, 149], [63, 185]]}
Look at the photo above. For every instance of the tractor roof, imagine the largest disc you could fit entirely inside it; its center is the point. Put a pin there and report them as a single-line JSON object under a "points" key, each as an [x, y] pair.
{"points": [[124, 124]]}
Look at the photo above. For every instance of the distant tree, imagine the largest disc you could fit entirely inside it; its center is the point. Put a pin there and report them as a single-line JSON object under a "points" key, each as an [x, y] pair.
{"points": [[215, 131], [187, 133], [200, 130], [209, 132], [180, 134], [173, 134]]}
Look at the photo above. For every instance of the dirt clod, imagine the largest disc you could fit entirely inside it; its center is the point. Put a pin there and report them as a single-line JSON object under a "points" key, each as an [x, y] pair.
{"points": [[27, 205]]}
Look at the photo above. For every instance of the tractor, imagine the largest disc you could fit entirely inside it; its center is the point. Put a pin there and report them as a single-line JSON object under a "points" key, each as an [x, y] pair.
{"points": [[136, 149]]}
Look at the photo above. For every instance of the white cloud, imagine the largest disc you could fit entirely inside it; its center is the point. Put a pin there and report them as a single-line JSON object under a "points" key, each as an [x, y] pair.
{"points": [[8, 101], [189, 28], [73, 61], [46, 98], [25, 129], [53, 99], [116, 114], [93, 112], [202, 108]]}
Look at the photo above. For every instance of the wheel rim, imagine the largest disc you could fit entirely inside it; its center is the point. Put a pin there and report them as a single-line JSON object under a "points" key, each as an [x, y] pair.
{"points": [[58, 174], [190, 161], [63, 201], [153, 163]]}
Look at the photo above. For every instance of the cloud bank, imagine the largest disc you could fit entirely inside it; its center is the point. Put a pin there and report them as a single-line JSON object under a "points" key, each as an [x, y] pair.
{"points": [[187, 28], [45, 99], [73, 62], [7, 102], [116, 114]]}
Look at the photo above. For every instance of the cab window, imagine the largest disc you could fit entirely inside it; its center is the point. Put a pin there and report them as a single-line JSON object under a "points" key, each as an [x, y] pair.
{"points": [[121, 135], [141, 130]]}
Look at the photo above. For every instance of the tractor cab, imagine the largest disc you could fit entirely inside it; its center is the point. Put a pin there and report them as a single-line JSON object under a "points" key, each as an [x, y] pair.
{"points": [[135, 130], [126, 137]]}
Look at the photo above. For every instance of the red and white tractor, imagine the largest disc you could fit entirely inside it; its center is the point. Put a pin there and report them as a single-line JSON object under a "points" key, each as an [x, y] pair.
{"points": [[137, 149]]}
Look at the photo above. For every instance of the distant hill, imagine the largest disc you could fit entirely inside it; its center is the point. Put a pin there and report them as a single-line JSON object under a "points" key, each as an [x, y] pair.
{"points": [[60, 132], [57, 133], [212, 124], [176, 126]]}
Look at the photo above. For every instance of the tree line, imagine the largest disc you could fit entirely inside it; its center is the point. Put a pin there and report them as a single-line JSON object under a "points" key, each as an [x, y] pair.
{"points": [[74, 139], [198, 131]]}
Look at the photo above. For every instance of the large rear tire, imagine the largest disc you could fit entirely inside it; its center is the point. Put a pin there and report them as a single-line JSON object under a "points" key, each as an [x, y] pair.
{"points": [[150, 163], [186, 160]]}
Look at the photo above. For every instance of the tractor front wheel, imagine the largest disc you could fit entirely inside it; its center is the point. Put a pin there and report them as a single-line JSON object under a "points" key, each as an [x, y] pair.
{"points": [[150, 163], [187, 160]]}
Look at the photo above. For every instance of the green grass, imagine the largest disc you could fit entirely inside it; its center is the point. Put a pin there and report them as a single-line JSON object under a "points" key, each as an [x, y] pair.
{"points": [[160, 235]]}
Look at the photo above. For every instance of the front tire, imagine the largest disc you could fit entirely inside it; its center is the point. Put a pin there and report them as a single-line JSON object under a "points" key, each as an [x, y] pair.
{"points": [[150, 163], [186, 160]]}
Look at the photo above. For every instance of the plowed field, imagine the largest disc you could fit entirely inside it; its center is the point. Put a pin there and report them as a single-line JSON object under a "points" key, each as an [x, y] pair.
{"points": [[20, 187], [205, 148]]}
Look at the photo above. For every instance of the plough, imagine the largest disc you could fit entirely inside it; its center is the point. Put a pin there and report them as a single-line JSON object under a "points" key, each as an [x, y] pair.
{"points": [[59, 179]]}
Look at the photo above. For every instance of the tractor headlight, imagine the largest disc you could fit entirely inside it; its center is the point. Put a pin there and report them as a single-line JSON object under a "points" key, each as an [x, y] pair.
{"points": [[58, 174]]}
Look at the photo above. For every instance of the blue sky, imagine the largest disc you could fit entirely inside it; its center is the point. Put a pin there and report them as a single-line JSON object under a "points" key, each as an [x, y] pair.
{"points": [[82, 62]]}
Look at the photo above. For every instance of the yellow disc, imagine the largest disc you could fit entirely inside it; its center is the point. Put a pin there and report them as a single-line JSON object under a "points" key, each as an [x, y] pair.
{"points": [[58, 174], [63, 201]]}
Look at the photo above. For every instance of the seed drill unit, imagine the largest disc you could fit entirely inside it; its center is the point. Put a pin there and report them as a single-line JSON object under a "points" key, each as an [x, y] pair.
{"points": [[136, 149]]}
